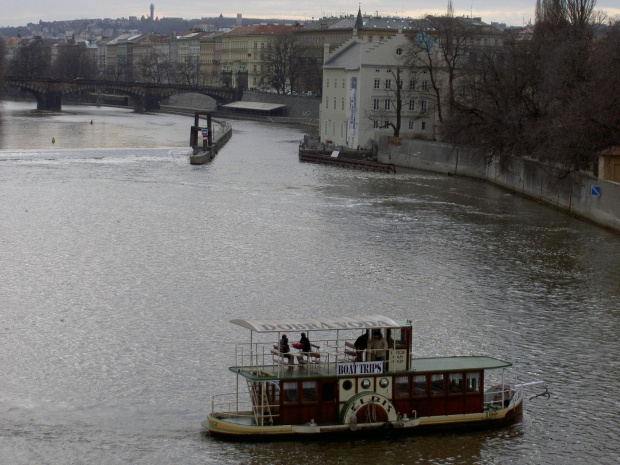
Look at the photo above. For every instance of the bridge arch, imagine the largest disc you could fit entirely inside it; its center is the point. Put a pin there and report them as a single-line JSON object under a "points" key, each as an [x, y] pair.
{"points": [[146, 96]]}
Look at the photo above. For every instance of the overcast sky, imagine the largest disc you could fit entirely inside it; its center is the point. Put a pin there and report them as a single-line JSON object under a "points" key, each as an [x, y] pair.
{"points": [[512, 12]]}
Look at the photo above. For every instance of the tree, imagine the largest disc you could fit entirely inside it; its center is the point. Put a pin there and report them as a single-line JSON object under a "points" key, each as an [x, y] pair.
{"points": [[388, 108], [2, 61], [442, 53], [551, 97], [283, 63], [31, 60], [75, 61]]}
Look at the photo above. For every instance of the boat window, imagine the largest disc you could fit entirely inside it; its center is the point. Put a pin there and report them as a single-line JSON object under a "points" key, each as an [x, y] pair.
{"points": [[308, 391], [401, 386], [365, 383], [290, 392], [347, 385], [473, 382], [419, 385], [437, 384], [328, 392], [456, 383], [384, 382], [273, 394]]}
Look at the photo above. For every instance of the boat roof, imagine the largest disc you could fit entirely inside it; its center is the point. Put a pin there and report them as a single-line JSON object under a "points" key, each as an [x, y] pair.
{"points": [[319, 324], [474, 362]]}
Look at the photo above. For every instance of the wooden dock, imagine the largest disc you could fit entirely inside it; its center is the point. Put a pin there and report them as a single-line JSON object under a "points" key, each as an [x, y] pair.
{"points": [[212, 141]]}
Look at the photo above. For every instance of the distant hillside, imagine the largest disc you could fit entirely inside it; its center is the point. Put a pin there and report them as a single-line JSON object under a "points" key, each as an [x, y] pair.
{"points": [[109, 27]]}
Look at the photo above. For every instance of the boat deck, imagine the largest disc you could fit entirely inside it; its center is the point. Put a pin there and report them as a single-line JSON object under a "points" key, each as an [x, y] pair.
{"points": [[330, 369]]}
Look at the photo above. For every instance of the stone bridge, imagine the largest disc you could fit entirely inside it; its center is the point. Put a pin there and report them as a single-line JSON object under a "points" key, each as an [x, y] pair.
{"points": [[146, 96]]}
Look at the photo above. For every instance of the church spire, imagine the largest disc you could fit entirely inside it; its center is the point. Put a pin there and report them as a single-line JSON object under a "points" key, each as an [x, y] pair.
{"points": [[359, 22]]}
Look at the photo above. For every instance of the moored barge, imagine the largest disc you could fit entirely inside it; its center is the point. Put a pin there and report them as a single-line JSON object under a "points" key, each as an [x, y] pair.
{"points": [[339, 385]]}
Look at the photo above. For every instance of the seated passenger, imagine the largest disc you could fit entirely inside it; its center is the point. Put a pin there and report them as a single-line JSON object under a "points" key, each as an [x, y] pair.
{"points": [[285, 349]]}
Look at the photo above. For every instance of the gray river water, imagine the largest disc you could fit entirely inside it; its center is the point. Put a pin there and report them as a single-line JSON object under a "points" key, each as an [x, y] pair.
{"points": [[121, 265]]}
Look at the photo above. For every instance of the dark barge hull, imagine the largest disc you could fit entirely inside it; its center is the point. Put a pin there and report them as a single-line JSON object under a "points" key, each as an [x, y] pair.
{"points": [[325, 157]]}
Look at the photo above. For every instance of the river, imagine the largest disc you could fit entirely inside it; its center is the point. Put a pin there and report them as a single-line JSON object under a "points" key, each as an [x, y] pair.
{"points": [[122, 265]]}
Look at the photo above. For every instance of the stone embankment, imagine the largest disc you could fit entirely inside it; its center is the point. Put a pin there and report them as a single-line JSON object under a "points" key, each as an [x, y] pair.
{"points": [[576, 194]]}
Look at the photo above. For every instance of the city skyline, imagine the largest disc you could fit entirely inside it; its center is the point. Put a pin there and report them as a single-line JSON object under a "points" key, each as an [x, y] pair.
{"points": [[515, 13]]}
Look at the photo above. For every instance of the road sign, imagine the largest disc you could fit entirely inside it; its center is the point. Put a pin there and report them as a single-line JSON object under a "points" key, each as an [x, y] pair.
{"points": [[595, 190]]}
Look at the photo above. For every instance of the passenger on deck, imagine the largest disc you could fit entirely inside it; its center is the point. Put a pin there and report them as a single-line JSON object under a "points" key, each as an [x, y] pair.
{"points": [[305, 343], [361, 343], [305, 347], [377, 346], [285, 350]]}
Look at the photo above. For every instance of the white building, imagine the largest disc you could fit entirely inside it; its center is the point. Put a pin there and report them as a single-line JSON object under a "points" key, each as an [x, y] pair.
{"points": [[362, 81]]}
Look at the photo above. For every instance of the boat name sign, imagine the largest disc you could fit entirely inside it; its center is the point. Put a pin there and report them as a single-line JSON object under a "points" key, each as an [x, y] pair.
{"points": [[361, 368]]}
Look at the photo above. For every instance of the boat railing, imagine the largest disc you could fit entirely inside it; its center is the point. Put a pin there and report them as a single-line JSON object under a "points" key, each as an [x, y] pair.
{"points": [[501, 396], [325, 353], [230, 405]]}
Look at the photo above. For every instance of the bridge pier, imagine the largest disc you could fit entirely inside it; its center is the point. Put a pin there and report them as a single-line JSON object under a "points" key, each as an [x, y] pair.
{"points": [[50, 100], [149, 102]]}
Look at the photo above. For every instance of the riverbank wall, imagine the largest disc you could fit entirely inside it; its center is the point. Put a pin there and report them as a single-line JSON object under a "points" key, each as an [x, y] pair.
{"points": [[581, 194]]}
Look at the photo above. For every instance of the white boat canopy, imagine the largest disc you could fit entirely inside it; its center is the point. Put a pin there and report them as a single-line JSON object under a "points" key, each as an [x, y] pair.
{"points": [[318, 324]]}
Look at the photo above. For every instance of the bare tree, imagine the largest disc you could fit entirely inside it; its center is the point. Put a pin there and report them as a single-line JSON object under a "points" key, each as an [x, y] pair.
{"points": [[75, 61], [31, 60], [283, 63], [2, 62]]}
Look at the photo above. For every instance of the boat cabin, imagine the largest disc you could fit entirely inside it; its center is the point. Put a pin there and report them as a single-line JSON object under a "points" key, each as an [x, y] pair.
{"points": [[341, 380]]}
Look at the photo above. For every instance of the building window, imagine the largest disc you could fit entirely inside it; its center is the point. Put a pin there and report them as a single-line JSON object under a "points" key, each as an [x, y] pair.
{"points": [[334, 103], [411, 124], [341, 130], [343, 103], [369, 38], [290, 392], [411, 85], [327, 83], [377, 83], [327, 103], [387, 124], [411, 105], [375, 124], [325, 130], [386, 104], [399, 51], [423, 125], [424, 85], [401, 387], [423, 105], [334, 129], [335, 83], [255, 45], [376, 104], [343, 83], [388, 83]]}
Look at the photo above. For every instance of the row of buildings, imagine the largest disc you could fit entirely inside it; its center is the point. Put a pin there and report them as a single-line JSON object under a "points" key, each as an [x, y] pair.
{"points": [[360, 66]]}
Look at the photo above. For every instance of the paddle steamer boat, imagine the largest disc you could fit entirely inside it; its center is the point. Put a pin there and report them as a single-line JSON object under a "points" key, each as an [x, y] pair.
{"points": [[337, 389]]}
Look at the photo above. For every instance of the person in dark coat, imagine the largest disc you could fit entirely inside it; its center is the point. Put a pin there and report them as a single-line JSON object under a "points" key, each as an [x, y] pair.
{"points": [[360, 346], [285, 350]]}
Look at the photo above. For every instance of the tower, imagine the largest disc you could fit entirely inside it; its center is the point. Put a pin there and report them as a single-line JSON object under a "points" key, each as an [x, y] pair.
{"points": [[152, 11]]}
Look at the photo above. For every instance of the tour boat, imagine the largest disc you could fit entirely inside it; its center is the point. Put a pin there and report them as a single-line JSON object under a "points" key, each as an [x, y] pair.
{"points": [[337, 387]]}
